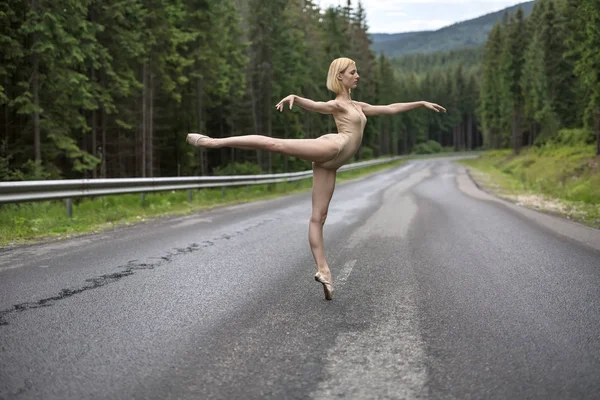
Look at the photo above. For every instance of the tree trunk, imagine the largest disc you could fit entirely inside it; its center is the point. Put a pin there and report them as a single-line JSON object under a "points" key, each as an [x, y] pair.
{"points": [[516, 130], [532, 133], [598, 133], [144, 116], [199, 97], [286, 159], [6, 114], [387, 136], [36, 99], [223, 153], [454, 138], [36, 113], [103, 146], [119, 153], [465, 138], [269, 110], [470, 133], [256, 121], [381, 137], [104, 119], [94, 120], [150, 141], [499, 140], [463, 135]]}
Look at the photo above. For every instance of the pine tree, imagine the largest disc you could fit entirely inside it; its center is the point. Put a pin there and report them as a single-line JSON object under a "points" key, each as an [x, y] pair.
{"points": [[514, 54], [588, 67], [491, 89], [533, 81], [559, 71]]}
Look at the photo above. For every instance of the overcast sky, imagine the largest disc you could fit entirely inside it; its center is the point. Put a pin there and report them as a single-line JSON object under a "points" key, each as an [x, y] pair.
{"points": [[395, 16]]}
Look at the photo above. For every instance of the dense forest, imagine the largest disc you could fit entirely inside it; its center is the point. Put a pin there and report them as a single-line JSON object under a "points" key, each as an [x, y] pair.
{"points": [[110, 88], [541, 75]]}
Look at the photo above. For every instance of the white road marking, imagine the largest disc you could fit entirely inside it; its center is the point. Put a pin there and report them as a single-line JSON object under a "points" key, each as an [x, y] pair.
{"points": [[383, 360], [383, 355], [344, 274]]}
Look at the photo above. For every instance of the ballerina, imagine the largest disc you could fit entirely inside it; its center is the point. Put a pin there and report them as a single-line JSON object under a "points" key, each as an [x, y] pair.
{"points": [[327, 152]]}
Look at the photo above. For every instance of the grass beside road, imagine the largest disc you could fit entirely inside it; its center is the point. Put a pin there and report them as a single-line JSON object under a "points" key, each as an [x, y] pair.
{"points": [[561, 180], [30, 222]]}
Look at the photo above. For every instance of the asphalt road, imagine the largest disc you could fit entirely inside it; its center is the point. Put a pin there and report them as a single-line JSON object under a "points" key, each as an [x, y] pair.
{"points": [[442, 292]]}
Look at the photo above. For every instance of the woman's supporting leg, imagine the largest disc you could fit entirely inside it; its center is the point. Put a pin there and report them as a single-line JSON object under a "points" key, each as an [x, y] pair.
{"points": [[317, 150], [323, 186]]}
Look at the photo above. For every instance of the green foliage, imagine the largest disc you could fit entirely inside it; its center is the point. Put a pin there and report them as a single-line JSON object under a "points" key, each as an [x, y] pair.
{"points": [[246, 168], [422, 63], [573, 137], [109, 88], [31, 171], [587, 66], [6, 174], [429, 147], [548, 75], [564, 172], [493, 92], [367, 153]]}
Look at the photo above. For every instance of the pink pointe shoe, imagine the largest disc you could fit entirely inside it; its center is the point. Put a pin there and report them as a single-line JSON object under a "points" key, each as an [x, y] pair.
{"points": [[327, 286], [196, 139]]}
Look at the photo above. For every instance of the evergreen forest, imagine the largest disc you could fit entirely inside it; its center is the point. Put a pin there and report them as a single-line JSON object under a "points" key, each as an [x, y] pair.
{"points": [[110, 88]]}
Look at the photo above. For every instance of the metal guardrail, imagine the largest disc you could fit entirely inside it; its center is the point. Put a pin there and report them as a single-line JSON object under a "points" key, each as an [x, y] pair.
{"points": [[13, 192]]}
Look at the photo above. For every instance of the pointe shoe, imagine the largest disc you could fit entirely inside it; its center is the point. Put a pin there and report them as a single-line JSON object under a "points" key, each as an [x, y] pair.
{"points": [[327, 286], [195, 138]]}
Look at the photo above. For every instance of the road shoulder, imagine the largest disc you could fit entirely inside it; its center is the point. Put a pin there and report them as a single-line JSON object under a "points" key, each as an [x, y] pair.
{"points": [[561, 226]]}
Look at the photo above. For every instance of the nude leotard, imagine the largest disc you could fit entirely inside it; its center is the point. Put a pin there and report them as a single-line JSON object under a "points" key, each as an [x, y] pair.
{"points": [[350, 126]]}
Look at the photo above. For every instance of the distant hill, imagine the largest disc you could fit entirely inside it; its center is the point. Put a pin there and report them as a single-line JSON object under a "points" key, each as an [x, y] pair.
{"points": [[469, 33]]}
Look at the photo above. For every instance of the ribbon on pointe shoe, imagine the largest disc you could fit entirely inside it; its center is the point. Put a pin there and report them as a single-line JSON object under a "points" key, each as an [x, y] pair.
{"points": [[327, 286]]}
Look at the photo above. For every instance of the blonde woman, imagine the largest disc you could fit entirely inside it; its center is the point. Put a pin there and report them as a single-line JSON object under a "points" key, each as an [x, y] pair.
{"points": [[327, 153]]}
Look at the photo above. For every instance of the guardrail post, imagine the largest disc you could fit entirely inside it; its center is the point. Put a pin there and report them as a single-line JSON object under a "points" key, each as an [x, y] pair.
{"points": [[190, 196], [69, 204], [222, 191], [143, 198]]}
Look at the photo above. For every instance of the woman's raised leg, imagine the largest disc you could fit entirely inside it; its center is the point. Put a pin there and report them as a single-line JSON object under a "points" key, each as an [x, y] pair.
{"points": [[323, 186], [317, 150]]}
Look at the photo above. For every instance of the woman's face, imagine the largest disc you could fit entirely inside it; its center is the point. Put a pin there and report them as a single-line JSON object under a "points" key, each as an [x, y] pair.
{"points": [[349, 77]]}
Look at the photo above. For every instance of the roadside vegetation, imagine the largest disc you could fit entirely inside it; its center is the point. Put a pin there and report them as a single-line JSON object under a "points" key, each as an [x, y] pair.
{"points": [[560, 177], [29, 222]]}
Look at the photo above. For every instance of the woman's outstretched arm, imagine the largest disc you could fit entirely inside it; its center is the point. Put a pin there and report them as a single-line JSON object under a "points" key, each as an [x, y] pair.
{"points": [[322, 107], [396, 108]]}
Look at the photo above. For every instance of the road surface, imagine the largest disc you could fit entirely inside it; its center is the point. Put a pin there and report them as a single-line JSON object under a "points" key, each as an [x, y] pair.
{"points": [[442, 292]]}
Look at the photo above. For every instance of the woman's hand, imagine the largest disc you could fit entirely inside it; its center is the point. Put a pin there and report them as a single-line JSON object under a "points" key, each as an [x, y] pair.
{"points": [[289, 99], [433, 106]]}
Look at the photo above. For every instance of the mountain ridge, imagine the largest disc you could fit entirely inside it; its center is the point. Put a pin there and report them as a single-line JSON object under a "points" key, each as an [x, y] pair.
{"points": [[464, 34]]}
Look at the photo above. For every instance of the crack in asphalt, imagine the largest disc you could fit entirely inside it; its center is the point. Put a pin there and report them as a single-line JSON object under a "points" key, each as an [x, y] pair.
{"points": [[128, 270]]}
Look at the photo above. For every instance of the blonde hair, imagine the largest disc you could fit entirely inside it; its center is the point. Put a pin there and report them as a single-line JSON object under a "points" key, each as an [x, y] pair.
{"points": [[338, 65]]}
